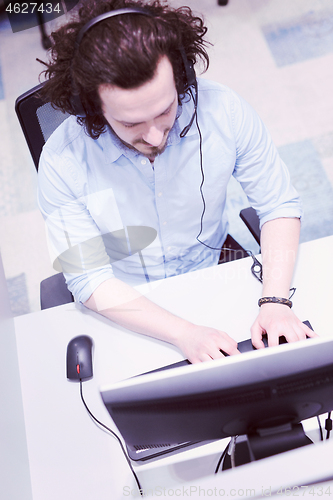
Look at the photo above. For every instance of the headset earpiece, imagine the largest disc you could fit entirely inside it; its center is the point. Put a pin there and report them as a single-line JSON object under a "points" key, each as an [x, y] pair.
{"points": [[191, 80], [77, 104]]}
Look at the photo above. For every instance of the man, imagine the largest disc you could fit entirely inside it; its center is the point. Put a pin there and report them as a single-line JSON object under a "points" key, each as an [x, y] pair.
{"points": [[145, 155]]}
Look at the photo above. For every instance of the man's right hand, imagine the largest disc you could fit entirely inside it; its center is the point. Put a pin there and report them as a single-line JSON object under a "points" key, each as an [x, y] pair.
{"points": [[202, 343]]}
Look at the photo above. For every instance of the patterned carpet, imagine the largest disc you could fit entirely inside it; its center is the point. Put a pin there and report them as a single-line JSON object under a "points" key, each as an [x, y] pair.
{"points": [[277, 54]]}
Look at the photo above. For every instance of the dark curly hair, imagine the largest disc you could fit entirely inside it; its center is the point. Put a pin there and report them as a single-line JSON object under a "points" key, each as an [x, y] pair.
{"points": [[122, 50]]}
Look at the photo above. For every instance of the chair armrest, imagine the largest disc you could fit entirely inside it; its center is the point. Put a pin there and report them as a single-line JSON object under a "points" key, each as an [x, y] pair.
{"points": [[54, 292], [251, 220]]}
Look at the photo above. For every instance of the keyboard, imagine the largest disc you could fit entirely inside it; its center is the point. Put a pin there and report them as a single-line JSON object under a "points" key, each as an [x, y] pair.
{"points": [[243, 346]]}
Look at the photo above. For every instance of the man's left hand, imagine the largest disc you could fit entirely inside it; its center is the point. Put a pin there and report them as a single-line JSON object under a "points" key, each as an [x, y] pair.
{"points": [[278, 320]]}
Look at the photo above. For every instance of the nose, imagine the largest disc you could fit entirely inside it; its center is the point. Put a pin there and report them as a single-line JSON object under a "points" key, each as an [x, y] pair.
{"points": [[153, 136]]}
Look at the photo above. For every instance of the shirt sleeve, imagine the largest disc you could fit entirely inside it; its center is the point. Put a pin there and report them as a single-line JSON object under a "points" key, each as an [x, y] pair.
{"points": [[76, 244], [259, 169]]}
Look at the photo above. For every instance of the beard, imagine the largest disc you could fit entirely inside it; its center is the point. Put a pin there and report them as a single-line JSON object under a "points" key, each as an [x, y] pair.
{"points": [[152, 152]]}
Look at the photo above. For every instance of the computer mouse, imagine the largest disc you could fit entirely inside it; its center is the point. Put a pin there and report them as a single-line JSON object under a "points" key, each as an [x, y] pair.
{"points": [[79, 358]]}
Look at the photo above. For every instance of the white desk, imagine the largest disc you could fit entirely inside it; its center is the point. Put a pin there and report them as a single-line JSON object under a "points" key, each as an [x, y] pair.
{"points": [[70, 457]]}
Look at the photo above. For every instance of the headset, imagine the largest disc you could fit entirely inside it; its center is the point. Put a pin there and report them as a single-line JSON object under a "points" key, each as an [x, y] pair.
{"points": [[191, 81]]}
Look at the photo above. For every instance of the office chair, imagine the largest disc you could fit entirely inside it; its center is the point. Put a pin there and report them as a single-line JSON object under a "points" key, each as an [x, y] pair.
{"points": [[38, 119]]}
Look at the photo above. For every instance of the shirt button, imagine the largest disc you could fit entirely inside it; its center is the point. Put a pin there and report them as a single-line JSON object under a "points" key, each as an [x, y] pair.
{"points": [[169, 249], [159, 194], [143, 162], [165, 223]]}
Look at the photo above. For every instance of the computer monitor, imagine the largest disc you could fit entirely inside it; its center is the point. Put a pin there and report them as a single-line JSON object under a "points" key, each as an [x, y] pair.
{"points": [[263, 394]]}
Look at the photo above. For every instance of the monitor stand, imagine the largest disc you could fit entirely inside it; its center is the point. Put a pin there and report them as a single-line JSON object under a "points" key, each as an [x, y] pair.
{"points": [[264, 443]]}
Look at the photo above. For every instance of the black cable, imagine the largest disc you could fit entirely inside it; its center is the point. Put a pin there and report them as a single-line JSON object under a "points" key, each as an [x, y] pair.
{"points": [[115, 435], [256, 267], [202, 183], [320, 429], [201, 186], [222, 457], [328, 425]]}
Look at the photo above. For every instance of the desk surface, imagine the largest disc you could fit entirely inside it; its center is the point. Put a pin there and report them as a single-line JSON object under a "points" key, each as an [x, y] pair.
{"points": [[70, 457]]}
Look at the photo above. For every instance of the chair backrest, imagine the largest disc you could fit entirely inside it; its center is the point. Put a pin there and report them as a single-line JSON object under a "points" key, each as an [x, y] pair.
{"points": [[38, 119]]}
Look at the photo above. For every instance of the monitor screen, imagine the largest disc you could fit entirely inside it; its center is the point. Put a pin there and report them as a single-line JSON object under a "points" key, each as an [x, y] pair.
{"points": [[236, 395]]}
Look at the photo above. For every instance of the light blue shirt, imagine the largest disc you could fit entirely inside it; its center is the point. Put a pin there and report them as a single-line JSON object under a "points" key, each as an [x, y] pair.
{"points": [[109, 212]]}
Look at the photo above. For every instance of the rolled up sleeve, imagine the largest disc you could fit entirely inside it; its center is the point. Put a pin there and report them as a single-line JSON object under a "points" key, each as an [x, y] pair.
{"points": [[259, 169]]}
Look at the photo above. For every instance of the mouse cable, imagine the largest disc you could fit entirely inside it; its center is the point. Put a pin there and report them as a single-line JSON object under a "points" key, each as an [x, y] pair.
{"points": [[221, 459], [115, 435], [320, 429]]}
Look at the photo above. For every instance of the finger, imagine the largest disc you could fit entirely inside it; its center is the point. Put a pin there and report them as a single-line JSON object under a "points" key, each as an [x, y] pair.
{"points": [[220, 352], [223, 350], [217, 353], [207, 357], [232, 343], [234, 351], [291, 332], [308, 331], [230, 350], [299, 332], [256, 336], [199, 358], [226, 345], [226, 338], [273, 339], [302, 332], [292, 335]]}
